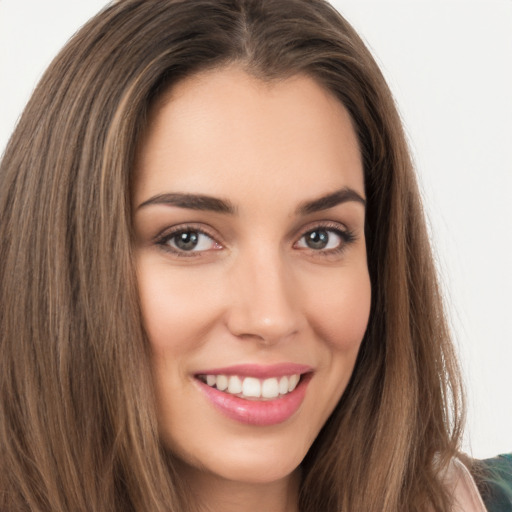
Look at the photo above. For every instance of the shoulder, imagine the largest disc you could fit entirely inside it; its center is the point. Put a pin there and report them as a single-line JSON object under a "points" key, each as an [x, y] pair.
{"points": [[493, 478]]}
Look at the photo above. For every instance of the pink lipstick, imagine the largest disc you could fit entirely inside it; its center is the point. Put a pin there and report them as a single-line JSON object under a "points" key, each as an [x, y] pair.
{"points": [[256, 394]]}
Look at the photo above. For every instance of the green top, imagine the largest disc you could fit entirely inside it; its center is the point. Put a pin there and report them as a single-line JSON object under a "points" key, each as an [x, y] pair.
{"points": [[494, 480]]}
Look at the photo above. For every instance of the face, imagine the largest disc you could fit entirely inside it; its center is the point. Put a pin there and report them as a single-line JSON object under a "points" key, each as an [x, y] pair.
{"points": [[251, 259]]}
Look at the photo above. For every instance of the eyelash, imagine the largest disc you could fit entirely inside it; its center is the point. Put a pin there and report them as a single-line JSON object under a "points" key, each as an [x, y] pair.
{"points": [[163, 240], [346, 235]]}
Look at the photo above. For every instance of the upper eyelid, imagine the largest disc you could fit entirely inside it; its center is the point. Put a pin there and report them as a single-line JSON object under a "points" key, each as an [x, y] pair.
{"points": [[167, 234], [170, 231], [319, 224], [345, 233]]}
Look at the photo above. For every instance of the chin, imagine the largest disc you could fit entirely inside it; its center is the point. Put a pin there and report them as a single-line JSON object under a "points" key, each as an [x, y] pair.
{"points": [[254, 460]]}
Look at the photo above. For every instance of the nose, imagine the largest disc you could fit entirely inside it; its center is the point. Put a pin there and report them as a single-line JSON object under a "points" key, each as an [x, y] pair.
{"points": [[264, 300]]}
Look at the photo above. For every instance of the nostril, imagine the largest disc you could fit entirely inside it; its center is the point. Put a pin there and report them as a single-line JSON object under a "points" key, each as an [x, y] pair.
{"points": [[250, 325]]}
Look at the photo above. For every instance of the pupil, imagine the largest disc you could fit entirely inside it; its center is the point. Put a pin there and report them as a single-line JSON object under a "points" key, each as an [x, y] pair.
{"points": [[187, 240], [317, 239]]}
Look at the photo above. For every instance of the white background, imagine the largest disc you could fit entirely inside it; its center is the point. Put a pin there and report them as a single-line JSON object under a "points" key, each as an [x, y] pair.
{"points": [[449, 64]]}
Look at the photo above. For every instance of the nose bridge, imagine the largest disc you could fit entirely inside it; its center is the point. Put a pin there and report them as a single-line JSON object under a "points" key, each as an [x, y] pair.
{"points": [[263, 304]]}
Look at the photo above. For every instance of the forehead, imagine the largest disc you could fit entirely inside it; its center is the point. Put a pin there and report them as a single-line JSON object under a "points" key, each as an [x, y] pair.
{"points": [[224, 132]]}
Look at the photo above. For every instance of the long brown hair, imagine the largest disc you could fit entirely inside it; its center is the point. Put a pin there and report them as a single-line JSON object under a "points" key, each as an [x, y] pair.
{"points": [[78, 429]]}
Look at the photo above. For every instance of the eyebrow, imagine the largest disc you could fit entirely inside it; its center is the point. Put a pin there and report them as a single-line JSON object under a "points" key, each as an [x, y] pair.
{"points": [[330, 201], [214, 204], [192, 202]]}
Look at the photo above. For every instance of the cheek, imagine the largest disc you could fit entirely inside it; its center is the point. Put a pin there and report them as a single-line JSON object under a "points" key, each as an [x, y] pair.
{"points": [[339, 312], [176, 308], [338, 315]]}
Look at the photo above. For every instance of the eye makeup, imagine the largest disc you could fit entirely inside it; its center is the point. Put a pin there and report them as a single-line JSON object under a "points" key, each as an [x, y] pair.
{"points": [[326, 239], [193, 240], [187, 240]]}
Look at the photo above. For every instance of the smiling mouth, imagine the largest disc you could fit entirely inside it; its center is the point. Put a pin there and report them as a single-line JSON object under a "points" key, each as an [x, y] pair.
{"points": [[254, 394], [252, 388]]}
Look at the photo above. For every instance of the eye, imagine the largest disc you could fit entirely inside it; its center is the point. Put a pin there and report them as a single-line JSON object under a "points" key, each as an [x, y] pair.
{"points": [[188, 240], [325, 239]]}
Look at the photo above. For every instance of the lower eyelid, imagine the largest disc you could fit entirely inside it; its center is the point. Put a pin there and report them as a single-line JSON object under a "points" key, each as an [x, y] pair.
{"points": [[346, 236], [164, 238]]}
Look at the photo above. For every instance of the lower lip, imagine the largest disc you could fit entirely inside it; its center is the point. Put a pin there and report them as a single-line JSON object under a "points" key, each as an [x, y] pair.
{"points": [[257, 412]]}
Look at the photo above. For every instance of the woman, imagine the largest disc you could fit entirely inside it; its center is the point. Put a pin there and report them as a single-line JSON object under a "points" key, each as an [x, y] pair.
{"points": [[231, 303]]}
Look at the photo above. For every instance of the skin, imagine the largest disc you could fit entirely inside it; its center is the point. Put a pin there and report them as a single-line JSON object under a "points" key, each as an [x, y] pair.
{"points": [[253, 290]]}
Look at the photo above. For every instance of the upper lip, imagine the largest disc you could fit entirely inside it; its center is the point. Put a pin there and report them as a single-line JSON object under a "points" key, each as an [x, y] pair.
{"points": [[258, 370]]}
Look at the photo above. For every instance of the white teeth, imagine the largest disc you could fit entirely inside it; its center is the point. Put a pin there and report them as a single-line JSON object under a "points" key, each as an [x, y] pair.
{"points": [[235, 385], [292, 382], [270, 388], [283, 386], [251, 387], [222, 382]]}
